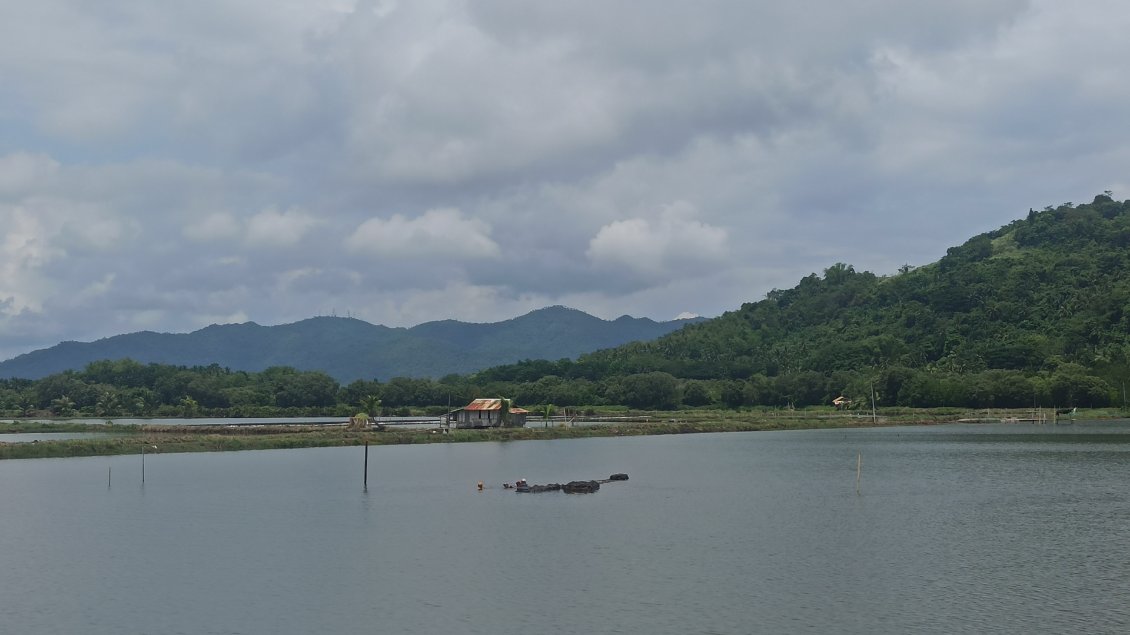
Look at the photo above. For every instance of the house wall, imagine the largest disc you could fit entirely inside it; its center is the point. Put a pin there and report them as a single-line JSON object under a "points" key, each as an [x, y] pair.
{"points": [[476, 419], [488, 419]]}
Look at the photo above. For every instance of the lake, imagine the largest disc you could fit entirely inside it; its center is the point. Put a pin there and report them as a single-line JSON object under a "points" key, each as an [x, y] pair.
{"points": [[959, 528]]}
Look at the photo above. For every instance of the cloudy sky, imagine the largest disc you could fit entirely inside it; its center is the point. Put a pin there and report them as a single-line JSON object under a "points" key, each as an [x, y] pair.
{"points": [[169, 165]]}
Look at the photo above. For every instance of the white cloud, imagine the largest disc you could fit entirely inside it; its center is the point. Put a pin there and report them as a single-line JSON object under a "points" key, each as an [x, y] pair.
{"points": [[444, 232], [673, 244], [272, 228], [27, 247]]}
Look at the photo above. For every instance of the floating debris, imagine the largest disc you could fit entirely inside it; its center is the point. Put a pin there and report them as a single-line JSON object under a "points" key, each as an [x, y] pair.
{"points": [[572, 487], [581, 487]]}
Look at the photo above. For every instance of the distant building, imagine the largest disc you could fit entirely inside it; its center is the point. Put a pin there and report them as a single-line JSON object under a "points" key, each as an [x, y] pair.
{"points": [[488, 413]]}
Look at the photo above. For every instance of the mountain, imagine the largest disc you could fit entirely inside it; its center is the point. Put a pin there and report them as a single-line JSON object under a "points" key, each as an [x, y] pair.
{"points": [[1037, 311], [1053, 287], [349, 349]]}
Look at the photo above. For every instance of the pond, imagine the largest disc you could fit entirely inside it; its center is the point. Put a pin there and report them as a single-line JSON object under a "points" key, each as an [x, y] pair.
{"points": [[958, 528]]}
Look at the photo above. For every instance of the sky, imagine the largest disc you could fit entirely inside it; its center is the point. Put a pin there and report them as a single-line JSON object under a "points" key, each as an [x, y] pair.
{"points": [[169, 165]]}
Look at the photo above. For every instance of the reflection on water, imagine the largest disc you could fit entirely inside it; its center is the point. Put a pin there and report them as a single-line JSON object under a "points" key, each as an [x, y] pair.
{"points": [[988, 528]]}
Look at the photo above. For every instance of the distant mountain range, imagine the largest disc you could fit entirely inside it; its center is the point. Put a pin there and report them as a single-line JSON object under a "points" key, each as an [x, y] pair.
{"points": [[349, 349]]}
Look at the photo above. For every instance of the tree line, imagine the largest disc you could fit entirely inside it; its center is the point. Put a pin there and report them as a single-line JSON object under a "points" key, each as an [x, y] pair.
{"points": [[125, 388]]}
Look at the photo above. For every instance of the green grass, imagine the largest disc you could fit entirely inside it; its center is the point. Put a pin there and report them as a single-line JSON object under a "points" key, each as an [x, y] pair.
{"points": [[18, 426]]}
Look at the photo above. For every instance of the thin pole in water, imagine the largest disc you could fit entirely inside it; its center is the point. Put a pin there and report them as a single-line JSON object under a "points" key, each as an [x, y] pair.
{"points": [[143, 464], [858, 470], [874, 416], [365, 481], [108, 472]]}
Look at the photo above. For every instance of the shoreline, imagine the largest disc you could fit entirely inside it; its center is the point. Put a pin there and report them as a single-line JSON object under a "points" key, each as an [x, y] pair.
{"points": [[202, 438], [251, 435]]}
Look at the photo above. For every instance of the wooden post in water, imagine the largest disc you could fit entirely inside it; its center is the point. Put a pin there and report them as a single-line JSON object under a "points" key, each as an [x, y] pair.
{"points": [[143, 464], [365, 478], [874, 416], [109, 469], [858, 471]]}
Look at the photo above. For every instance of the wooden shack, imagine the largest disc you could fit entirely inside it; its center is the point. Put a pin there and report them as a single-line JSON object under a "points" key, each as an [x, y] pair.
{"points": [[488, 413]]}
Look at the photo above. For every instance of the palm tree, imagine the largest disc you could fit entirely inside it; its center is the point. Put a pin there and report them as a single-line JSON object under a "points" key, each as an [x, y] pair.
{"points": [[63, 406], [25, 404], [189, 406], [371, 407], [371, 404]]}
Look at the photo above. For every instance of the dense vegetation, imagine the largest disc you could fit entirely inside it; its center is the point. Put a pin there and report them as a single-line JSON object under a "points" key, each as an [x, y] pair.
{"points": [[1034, 313]]}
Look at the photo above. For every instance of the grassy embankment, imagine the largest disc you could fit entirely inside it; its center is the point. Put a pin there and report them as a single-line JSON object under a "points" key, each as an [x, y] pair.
{"points": [[129, 439]]}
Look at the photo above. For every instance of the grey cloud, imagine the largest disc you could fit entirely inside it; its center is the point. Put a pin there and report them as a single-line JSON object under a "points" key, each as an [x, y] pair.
{"points": [[166, 166]]}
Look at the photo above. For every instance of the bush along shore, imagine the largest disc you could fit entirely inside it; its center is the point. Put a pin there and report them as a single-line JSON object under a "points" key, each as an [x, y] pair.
{"points": [[219, 438]]}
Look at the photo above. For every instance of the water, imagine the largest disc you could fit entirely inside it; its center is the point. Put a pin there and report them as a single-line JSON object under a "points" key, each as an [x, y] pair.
{"points": [[990, 528]]}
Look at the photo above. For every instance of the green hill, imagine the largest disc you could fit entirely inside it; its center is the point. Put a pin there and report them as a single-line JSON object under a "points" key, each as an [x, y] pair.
{"points": [[1036, 312]]}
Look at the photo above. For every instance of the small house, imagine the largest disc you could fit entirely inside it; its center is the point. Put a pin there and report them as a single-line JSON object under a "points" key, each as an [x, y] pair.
{"points": [[488, 413]]}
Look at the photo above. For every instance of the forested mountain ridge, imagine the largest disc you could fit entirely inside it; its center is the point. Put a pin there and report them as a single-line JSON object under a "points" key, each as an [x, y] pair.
{"points": [[1037, 311], [349, 349], [1054, 285]]}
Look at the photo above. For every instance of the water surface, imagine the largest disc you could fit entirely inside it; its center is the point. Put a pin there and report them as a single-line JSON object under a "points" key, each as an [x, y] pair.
{"points": [[964, 528]]}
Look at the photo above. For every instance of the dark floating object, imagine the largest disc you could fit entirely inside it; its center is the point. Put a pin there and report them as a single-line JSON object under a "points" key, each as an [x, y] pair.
{"points": [[572, 487], [535, 489], [580, 487]]}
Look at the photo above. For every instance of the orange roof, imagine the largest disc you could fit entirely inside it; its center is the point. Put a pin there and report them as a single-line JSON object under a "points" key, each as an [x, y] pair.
{"points": [[491, 404]]}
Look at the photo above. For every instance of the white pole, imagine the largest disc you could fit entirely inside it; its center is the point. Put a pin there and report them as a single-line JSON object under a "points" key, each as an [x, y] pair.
{"points": [[858, 470]]}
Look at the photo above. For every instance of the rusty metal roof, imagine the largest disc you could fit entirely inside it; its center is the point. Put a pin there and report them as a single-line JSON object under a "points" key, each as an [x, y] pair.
{"points": [[491, 404]]}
